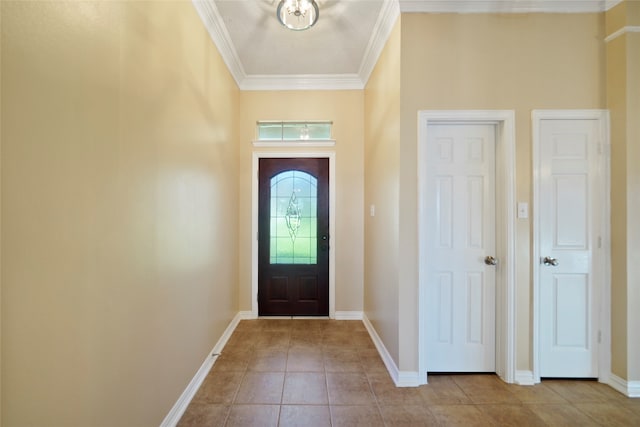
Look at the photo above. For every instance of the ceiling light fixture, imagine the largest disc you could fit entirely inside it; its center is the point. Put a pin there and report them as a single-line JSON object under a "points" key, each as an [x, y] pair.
{"points": [[298, 15]]}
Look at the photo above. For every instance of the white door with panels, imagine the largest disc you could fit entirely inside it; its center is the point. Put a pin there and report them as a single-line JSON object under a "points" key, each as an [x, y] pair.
{"points": [[460, 230], [570, 199]]}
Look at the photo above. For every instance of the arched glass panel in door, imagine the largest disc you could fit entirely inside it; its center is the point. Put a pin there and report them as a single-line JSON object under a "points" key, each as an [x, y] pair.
{"points": [[294, 222]]}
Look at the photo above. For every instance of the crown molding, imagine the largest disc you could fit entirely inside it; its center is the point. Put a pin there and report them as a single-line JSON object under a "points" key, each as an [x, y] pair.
{"points": [[214, 24], [502, 6], [389, 13], [381, 31], [302, 82], [609, 4]]}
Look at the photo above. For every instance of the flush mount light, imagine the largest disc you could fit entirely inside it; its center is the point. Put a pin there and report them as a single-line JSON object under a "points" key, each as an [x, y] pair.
{"points": [[298, 15]]}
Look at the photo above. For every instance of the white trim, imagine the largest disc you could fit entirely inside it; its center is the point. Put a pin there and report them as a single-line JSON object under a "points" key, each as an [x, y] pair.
{"points": [[301, 82], [214, 23], [381, 32], [247, 315], [603, 318], [400, 378], [610, 4], [502, 6], [176, 412], [291, 143], [348, 315], [524, 378], [257, 155], [505, 231], [622, 31], [628, 388]]}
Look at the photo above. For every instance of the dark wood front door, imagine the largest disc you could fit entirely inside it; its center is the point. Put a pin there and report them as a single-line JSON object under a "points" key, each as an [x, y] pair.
{"points": [[293, 237]]}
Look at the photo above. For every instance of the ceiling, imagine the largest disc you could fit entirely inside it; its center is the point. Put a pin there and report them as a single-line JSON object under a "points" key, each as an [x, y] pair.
{"points": [[340, 51]]}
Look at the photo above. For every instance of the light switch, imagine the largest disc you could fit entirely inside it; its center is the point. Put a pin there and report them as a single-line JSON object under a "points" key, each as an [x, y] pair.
{"points": [[372, 210], [523, 210]]}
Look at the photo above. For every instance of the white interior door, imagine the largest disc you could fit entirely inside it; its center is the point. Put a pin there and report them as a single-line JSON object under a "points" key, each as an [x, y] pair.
{"points": [[569, 201], [460, 228]]}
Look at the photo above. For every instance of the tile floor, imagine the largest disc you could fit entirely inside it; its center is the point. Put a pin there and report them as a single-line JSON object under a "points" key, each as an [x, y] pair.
{"points": [[275, 372]]}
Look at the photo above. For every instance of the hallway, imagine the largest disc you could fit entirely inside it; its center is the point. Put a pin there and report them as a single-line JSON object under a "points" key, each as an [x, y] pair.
{"points": [[328, 373]]}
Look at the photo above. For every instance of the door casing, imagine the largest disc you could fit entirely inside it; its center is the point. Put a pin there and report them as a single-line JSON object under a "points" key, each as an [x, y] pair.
{"points": [[505, 231], [603, 170], [257, 155]]}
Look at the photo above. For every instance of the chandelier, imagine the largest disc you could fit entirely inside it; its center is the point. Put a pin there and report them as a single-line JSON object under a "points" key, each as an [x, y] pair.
{"points": [[298, 14]]}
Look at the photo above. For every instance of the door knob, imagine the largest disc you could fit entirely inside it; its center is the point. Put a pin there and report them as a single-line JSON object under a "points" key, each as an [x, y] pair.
{"points": [[549, 261], [489, 260]]}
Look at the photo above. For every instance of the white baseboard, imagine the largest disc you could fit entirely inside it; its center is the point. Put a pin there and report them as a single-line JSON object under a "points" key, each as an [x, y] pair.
{"points": [[628, 388], [247, 315], [400, 378], [525, 378], [348, 315], [174, 415]]}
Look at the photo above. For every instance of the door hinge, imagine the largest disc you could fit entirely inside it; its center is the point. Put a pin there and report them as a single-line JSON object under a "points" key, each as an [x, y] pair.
{"points": [[599, 242], [599, 337]]}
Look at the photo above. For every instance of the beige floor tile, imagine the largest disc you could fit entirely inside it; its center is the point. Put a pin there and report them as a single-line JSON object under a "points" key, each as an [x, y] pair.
{"points": [[576, 391], [232, 363], [301, 340], [273, 339], [610, 414], [562, 415], [269, 360], [219, 387], [253, 416], [338, 340], [349, 389], [353, 416], [340, 360], [307, 388], [304, 415], [373, 364], [538, 393], [261, 387], [407, 415], [459, 415], [442, 390], [291, 369], [281, 325], [305, 361], [511, 415], [387, 393], [204, 414], [632, 404], [485, 389]]}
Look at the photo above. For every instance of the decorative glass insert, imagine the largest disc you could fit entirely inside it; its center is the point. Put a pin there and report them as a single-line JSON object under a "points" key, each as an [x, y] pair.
{"points": [[294, 131], [294, 222]]}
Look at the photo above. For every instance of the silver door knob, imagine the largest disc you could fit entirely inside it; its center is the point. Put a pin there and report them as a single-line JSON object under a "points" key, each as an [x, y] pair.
{"points": [[549, 261], [489, 260]]}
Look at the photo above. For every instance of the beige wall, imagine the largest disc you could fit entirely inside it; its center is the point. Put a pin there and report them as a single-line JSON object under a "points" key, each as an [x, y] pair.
{"points": [[488, 61], [382, 170], [616, 103], [346, 110], [623, 101], [119, 202]]}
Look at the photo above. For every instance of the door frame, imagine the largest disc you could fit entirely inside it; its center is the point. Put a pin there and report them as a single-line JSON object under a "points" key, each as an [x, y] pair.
{"points": [[505, 231], [603, 316], [257, 155]]}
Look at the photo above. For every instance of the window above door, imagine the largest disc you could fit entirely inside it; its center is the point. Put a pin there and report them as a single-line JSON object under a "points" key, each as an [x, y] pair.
{"points": [[293, 133]]}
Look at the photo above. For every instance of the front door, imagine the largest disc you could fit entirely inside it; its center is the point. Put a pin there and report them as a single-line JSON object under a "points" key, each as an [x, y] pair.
{"points": [[293, 237], [569, 202], [461, 249]]}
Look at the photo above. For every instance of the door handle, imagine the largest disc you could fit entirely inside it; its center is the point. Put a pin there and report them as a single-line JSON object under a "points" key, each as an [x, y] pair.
{"points": [[489, 260], [549, 261]]}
